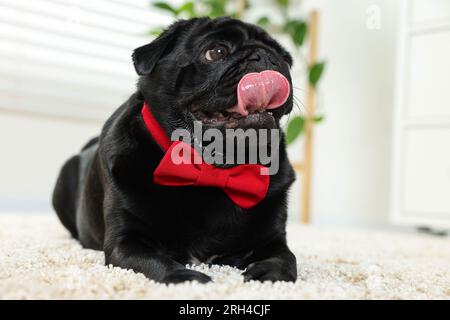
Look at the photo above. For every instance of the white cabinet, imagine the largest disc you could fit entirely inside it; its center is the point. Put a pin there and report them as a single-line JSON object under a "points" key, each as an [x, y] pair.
{"points": [[429, 11], [421, 164], [426, 172], [428, 85]]}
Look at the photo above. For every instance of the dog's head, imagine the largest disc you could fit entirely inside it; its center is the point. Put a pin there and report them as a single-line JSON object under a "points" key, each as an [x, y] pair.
{"points": [[222, 72]]}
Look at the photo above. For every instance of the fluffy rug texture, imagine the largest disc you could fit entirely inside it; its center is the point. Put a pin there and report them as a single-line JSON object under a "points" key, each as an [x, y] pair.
{"points": [[38, 260]]}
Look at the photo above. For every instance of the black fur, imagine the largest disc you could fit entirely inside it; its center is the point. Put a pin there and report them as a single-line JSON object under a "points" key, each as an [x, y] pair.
{"points": [[105, 196]]}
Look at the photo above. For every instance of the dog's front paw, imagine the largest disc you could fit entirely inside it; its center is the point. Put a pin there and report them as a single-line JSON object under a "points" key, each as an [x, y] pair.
{"points": [[270, 270], [183, 275]]}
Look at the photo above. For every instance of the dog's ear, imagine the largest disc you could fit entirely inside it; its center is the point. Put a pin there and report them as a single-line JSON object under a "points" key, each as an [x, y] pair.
{"points": [[146, 57]]}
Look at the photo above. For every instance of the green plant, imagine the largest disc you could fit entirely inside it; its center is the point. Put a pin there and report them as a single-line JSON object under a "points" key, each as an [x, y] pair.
{"points": [[295, 28], [191, 9]]}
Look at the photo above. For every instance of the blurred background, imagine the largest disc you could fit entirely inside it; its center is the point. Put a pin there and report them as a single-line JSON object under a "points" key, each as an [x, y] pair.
{"points": [[380, 153]]}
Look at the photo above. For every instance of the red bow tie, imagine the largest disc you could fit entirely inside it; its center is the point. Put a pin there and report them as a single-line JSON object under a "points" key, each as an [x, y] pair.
{"points": [[244, 184]]}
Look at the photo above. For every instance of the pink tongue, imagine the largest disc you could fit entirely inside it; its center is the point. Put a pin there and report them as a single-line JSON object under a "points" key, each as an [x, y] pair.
{"points": [[260, 91]]}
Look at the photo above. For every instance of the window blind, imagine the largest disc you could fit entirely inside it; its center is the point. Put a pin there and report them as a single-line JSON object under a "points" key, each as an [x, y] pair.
{"points": [[71, 58]]}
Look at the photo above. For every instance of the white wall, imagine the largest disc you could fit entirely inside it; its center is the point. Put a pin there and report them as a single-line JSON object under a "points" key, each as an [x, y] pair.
{"points": [[33, 149], [352, 147]]}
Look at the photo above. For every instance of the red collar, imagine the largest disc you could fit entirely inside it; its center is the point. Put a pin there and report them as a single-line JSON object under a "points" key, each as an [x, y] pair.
{"points": [[156, 131], [244, 184]]}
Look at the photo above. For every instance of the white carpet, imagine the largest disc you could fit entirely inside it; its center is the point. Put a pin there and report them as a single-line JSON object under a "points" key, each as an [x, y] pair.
{"points": [[38, 260]]}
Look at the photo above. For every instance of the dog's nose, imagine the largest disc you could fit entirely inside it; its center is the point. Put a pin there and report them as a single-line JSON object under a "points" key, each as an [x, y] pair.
{"points": [[255, 57], [263, 58]]}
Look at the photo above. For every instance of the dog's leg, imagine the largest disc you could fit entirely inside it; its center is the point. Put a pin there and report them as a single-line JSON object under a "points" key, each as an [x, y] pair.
{"points": [[153, 263], [273, 262]]}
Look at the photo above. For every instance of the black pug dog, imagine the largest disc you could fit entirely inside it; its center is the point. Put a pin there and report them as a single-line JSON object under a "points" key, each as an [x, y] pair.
{"points": [[105, 195]]}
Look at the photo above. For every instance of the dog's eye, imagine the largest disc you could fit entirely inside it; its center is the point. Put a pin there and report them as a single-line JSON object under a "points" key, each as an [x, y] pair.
{"points": [[219, 52]]}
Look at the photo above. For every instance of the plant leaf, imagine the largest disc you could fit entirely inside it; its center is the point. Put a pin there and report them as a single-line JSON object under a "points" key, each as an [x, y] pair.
{"points": [[315, 72], [294, 128], [156, 31], [217, 8], [290, 25], [234, 15], [299, 34], [297, 30], [283, 3], [165, 6], [263, 21], [188, 7], [318, 119]]}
